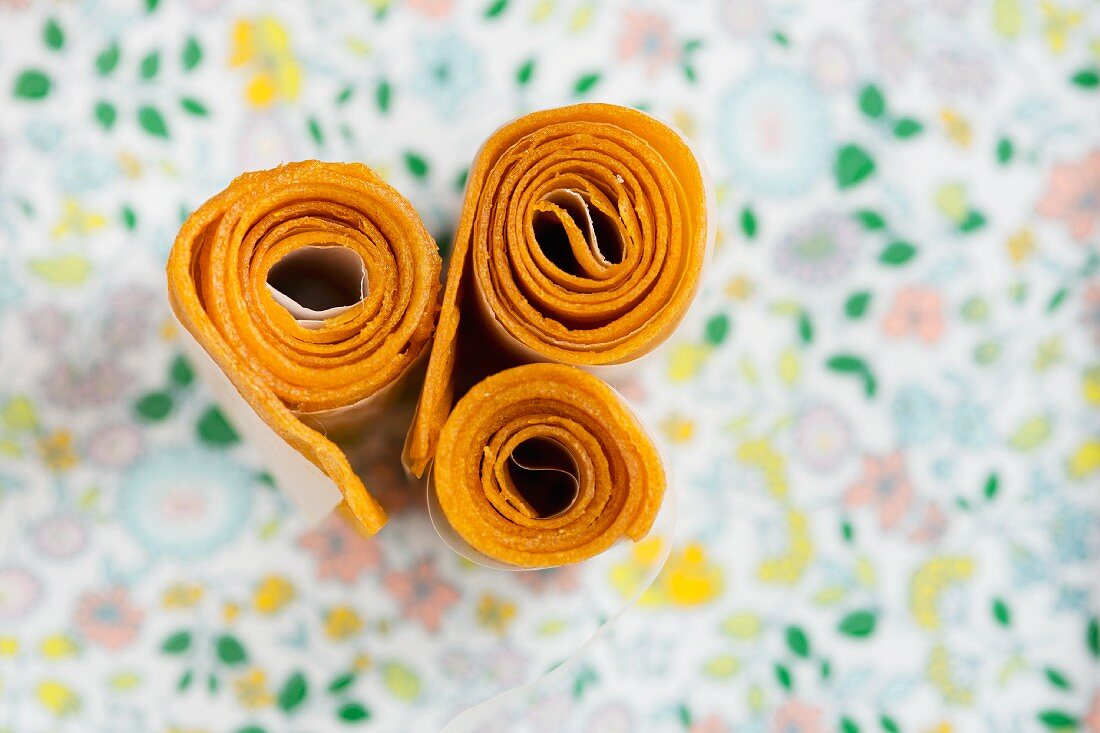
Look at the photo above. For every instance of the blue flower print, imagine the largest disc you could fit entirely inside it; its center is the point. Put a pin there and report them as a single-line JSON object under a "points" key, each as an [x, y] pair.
{"points": [[449, 70], [773, 130], [185, 502]]}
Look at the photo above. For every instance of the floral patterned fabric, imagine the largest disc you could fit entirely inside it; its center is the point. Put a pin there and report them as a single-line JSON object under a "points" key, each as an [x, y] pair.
{"points": [[881, 418]]}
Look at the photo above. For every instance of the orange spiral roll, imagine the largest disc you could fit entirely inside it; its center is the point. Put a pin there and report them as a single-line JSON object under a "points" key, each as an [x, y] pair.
{"points": [[253, 273]]}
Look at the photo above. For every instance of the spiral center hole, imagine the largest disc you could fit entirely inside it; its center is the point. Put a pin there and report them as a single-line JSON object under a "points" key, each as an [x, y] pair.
{"points": [[545, 475], [317, 280], [599, 231]]}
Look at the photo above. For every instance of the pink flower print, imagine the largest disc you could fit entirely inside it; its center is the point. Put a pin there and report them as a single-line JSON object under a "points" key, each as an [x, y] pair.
{"points": [[710, 724], [1073, 196], [1092, 719], [341, 552], [431, 8], [932, 525], [423, 595], [797, 717], [647, 36], [108, 617], [916, 312], [884, 485]]}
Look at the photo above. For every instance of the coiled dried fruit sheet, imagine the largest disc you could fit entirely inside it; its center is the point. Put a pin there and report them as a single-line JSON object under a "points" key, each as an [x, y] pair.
{"points": [[307, 370], [581, 242]]}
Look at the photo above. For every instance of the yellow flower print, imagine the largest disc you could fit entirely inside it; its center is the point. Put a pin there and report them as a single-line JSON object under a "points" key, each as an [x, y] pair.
{"points": [[19, 414], [495, 613], [1058, 22], [342, 622], [787, 568], [1021, 246], [690, 579], [939, 673], [740, 287], [686, 360], [182, 595], [251, 689], [56, 450], [9, 647], [743, 625], [362, 662], [1085, 461], [678, 429], [263, 45], [273, 594], [76, 220], [956, 127], [230, 611], [57, 698], [683, 120], [1090, 385], [929, 583], [58, 646], [125, 681]]}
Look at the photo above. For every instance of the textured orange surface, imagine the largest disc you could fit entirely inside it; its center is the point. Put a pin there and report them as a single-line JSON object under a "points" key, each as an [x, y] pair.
{"points": [[504, 292], [621, 481], [217, 275]]}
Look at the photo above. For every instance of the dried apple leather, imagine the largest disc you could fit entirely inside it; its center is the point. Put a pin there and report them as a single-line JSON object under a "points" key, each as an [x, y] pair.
{"points": [[581, 241], [259, 275]]}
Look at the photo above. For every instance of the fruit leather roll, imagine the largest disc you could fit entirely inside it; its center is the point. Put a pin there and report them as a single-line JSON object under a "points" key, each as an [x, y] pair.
{"points": [[581, 243], [308, 293]]}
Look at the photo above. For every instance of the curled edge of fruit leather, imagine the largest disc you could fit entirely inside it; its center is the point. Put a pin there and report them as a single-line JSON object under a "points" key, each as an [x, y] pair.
{"points": [[276, 376], [636, 175], [618, 476]]}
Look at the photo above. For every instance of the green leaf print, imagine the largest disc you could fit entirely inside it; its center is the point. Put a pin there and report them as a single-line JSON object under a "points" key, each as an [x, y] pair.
{"points": [[858, 624], [150, 65], [871, 101], [992, 486], [496, 8], [907, 127], [585, 83], [1086, 78], [191, 54], [1005, 150], [717, 329], [1092, 637], [853, 166], [230, 650], [154, 406], [192, 106], [748, 222], [1057, 679], [152, 121], [52, 35], [107, 60], [1058, 720], [353, 712], [177, 643], [871, 220], [850, 364], [382, 96], [1001, 612], [888, 724], [525, 72], [798, 642], [856, 304], [32, 84], [417, 165], [341, 682], [847, 725], [180, 372], [105, 114], [897, 253], [215, 430], [783, 676], [293, 692]]}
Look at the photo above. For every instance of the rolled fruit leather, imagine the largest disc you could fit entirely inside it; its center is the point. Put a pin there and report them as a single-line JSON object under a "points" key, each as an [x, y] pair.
{"points": [[307, 294], [582, 241]]}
